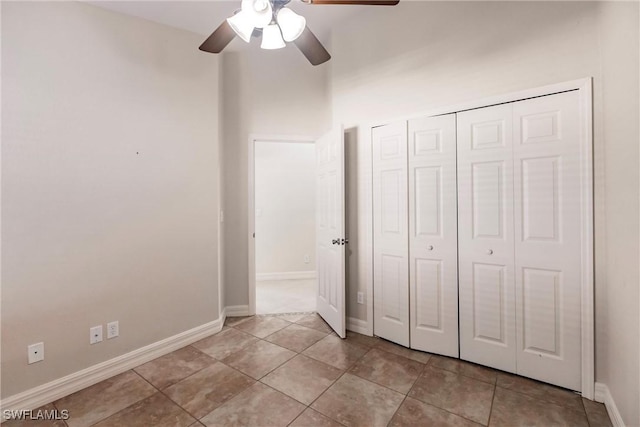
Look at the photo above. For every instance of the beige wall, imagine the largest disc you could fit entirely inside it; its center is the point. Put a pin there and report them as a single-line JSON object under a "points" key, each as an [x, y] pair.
{"points": [[420, 55], [265, 93], [91, 231], [285, 202]]}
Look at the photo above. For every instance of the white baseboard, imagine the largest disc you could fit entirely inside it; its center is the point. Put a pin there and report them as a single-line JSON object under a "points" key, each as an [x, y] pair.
{"points": [[288, 275], [54, 390], [236, 310], [603, 395], [357, 325]]}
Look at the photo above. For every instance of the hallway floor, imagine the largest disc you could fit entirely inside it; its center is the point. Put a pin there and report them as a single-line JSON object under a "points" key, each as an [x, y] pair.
{"points": [[292, 370], [285, 296]]}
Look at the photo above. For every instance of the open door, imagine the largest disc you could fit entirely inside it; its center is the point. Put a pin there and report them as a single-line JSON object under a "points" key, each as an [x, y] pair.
{"points": [[330, 235]]}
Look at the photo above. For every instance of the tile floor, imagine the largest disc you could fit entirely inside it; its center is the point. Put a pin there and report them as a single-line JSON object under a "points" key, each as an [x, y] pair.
{"points": [[292, 370], [285, 296]]}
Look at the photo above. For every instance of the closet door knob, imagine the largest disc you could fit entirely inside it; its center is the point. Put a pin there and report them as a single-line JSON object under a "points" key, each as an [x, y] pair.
{"points": [[490, 252], [430, 247]]}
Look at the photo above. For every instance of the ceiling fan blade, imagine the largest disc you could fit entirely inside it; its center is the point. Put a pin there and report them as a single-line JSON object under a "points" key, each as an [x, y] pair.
{"points": [[357, 2], [311, 47], [219, 39]]}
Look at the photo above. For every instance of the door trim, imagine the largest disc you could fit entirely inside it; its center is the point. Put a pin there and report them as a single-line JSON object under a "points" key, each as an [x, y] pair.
{"points": [[251, 210], [584, 86]]}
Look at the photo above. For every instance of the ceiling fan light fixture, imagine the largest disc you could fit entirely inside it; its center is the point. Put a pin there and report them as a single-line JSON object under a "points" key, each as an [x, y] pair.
{"points": [[259, 12], [291, 24], [242, 24], [272, 38]]}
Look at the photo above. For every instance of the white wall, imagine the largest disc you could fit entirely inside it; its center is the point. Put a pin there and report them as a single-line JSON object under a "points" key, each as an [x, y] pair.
{"points": [[285, 201], [265, 93], [420, 55], [109, 178]]}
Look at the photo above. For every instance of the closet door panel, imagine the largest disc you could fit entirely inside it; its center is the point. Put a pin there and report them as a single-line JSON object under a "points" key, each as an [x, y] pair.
{"points": [[391, 264], [485, 237], [548, 239], [433, 269]]}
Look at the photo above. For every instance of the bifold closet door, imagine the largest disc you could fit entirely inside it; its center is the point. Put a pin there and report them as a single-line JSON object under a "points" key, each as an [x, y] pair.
{"points": [[547, 185], [519, 232], [391, 235], [485, 237], [433, 241]]}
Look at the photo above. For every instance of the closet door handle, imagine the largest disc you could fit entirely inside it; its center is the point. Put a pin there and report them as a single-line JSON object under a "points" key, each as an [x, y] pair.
{"points": [[335, 242], [490, 252], [430, 247]]}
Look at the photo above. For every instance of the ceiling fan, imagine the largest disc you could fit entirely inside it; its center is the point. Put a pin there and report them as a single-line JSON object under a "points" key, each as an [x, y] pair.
{"points": [[277, 24]]}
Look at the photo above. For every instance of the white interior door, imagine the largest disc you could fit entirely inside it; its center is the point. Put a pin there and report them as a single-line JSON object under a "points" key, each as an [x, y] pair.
{"points": [[330, 236], [433, 239], [390, 234], [485, 234], [547, 238]]}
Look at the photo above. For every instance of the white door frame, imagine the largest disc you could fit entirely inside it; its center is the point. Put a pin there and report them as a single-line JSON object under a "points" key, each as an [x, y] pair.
{"points": [[251, 215], [584, 86]]}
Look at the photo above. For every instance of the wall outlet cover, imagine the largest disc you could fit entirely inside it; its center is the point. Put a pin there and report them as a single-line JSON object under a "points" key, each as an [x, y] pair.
{"points": [[360, 298], [95, 334], [113, 329], [35, 352], [307, 259]]}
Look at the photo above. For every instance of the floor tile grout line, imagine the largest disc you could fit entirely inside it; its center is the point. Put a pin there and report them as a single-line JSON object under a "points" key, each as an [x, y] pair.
{"points": [[299, 352], [397, 409], [493, 399], [180, 406], [58, 409], [134, 403], [542, 400], [461, 373], [189, 376], [587, 414], [377, 383], [379, 347], [444, 409], [322, 394]]}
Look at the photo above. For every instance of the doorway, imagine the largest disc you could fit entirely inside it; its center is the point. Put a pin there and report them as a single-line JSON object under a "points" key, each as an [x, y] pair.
{"points": [[285, 226]]}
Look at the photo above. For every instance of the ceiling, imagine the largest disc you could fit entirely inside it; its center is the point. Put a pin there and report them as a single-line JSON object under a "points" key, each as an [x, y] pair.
{"points": [[202, 17]]}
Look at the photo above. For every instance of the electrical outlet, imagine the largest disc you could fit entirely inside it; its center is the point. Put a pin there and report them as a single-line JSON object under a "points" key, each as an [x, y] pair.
{"points": [[307, 259], [113, 329], [360, 298], [35, 352], [95, 334]]}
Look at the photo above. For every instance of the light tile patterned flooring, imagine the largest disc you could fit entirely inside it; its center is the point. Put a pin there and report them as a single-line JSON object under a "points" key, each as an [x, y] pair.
{"points": [[292, 370], [285, 296]]}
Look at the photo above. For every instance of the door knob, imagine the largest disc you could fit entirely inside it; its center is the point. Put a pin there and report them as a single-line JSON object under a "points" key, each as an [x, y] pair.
{"points": [[490, 252], [430, 247]]}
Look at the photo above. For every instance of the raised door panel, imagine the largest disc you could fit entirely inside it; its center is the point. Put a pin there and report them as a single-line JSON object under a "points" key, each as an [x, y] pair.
{"points": [[485, 236], [390, 247], [427, 206], [489, 317], [548, 238], [433, 270]]}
